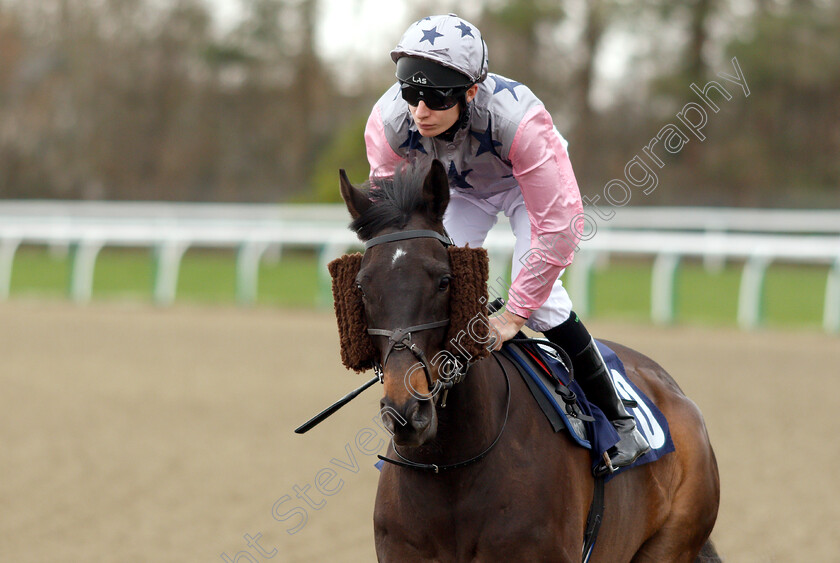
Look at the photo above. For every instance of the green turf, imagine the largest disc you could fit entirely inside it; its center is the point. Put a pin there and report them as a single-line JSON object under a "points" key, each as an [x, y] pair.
{"points": [[41, 272], [122, 273], [793, 295], [207, 276], [291, 282]]}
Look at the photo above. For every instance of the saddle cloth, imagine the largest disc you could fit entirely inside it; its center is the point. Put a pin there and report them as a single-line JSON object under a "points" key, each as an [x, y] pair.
{"points": [[543, 371]]}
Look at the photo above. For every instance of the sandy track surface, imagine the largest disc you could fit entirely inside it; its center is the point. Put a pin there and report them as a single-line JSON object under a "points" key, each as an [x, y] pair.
{"points": [[129, 433]]}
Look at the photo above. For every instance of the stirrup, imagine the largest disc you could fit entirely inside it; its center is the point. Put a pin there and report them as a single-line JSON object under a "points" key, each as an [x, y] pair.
{"points": [[605, 468]]}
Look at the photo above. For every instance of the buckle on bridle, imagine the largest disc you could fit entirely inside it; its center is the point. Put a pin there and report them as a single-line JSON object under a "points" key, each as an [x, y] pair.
{"points": [[401, 343]]}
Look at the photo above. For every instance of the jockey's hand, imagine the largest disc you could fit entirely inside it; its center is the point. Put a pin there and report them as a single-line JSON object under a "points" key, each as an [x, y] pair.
{"points": [[505, 326]]}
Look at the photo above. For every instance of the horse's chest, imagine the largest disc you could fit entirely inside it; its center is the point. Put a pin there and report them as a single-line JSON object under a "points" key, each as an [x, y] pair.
{"points": [[476, 527]]}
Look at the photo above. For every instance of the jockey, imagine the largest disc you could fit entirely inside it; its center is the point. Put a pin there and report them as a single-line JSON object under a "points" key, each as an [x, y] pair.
{"points": [[503, 154]]}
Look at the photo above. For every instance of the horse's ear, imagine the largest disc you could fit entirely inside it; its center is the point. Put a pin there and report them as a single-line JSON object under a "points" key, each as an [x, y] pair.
{"points": [[357, 202], [436, 189], [357, 351], [469, 326]]}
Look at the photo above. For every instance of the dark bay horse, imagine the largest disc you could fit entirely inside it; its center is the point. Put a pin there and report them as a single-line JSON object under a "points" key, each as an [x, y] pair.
{"points": [[407, 307]]}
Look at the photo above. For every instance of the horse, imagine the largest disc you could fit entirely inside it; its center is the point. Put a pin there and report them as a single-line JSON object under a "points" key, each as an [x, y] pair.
{"points": [[478, 475]]}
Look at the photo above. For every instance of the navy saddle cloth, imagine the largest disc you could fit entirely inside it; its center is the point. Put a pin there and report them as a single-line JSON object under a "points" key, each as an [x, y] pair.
{"points": [[543, 372]]}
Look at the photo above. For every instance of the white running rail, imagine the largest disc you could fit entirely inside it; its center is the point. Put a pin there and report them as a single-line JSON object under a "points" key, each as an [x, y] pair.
{"points": [[668, 234]]}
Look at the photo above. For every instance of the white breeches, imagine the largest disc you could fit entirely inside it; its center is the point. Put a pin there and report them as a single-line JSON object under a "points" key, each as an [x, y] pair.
{"points": [[468, 219]]}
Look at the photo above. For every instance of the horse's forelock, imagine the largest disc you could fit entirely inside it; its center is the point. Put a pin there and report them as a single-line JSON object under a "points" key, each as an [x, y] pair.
{"points": [[396, 199]]}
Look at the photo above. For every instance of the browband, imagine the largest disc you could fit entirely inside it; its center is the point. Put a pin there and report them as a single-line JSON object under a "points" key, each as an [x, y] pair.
{"points": [[403, 235]]}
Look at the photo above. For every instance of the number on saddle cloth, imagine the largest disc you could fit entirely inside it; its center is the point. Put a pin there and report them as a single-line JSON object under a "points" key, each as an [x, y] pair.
{"points": [[533, 357]]}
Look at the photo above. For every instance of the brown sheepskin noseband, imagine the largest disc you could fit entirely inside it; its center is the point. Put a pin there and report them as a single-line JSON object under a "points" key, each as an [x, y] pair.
{"points": [[468, 324], [468, 334], [357, 350]]}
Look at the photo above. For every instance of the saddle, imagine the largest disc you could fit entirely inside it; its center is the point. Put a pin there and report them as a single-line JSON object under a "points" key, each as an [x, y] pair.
{"points": [[544, 370]]}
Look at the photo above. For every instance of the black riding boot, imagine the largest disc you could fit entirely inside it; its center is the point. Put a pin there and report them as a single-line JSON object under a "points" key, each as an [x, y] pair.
{"points": [[591, 373]]}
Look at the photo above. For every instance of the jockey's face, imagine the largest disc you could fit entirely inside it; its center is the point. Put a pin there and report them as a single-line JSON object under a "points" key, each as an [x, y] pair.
{"points": [[431, 123]]}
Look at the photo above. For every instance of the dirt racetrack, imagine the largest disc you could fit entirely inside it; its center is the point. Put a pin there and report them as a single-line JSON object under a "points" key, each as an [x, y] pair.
{"points": [[129, 433]]}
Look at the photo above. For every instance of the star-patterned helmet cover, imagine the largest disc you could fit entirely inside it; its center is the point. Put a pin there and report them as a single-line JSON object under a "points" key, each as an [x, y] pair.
{"points": [[447, 40]]}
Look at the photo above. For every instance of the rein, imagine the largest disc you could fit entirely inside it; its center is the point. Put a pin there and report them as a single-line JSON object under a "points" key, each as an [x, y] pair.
{"points": [[405, 462]]}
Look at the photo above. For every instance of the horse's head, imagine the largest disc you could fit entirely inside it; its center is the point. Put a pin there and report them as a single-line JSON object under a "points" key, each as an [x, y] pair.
{"points": [[412, 305]]}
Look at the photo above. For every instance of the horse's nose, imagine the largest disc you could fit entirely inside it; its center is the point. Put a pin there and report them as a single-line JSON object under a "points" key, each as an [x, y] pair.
{"points": [[408, 423], [395, 417], [390, 416]]}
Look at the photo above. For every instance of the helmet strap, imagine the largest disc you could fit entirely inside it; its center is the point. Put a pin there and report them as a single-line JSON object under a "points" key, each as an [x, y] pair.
{"points": [[462, 122]]}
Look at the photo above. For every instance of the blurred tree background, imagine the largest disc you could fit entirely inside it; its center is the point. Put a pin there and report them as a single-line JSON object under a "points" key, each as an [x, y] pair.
{"points": [[153, 100]]}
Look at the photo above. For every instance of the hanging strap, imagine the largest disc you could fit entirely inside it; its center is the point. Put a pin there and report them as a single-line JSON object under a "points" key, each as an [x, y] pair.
{"points": [[593, 519]]}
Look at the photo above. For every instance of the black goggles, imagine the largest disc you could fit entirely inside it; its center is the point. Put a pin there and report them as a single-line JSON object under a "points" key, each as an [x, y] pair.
{"points": [[435, 99]]}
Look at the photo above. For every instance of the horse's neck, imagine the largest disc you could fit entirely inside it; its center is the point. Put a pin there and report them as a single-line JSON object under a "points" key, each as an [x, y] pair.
{"points": [[474, 413]]}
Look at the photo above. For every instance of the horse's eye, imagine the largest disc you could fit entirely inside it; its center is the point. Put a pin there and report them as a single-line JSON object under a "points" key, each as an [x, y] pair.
{"points": [[444, 283], [359, 289]]}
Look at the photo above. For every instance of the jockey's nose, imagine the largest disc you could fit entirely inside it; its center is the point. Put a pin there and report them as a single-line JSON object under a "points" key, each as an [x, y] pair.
{"points": [[422, 109]]}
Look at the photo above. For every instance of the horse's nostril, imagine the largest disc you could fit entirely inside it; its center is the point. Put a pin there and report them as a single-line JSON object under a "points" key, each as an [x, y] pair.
{"points": [[411, 423], [412, 410], [390, 416], [420, 418], [389, 424]]}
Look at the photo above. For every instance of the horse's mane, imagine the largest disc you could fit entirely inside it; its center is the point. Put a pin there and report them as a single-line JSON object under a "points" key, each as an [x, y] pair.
{"points": [[395, 199]]}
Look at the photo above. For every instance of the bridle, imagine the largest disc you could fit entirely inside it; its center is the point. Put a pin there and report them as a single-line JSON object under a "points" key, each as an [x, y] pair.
{"points": [[435, 468], [400, 338]]}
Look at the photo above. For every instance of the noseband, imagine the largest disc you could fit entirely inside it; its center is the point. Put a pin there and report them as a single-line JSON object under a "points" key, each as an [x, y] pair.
{"points": [[400, 338]]}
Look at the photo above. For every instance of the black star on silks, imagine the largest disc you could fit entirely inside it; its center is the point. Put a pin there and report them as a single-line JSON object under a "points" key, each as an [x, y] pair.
{"points": [[459, 180], [465, 29], [413, 141], [502, 84], [486, 142], [430, 35]]}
